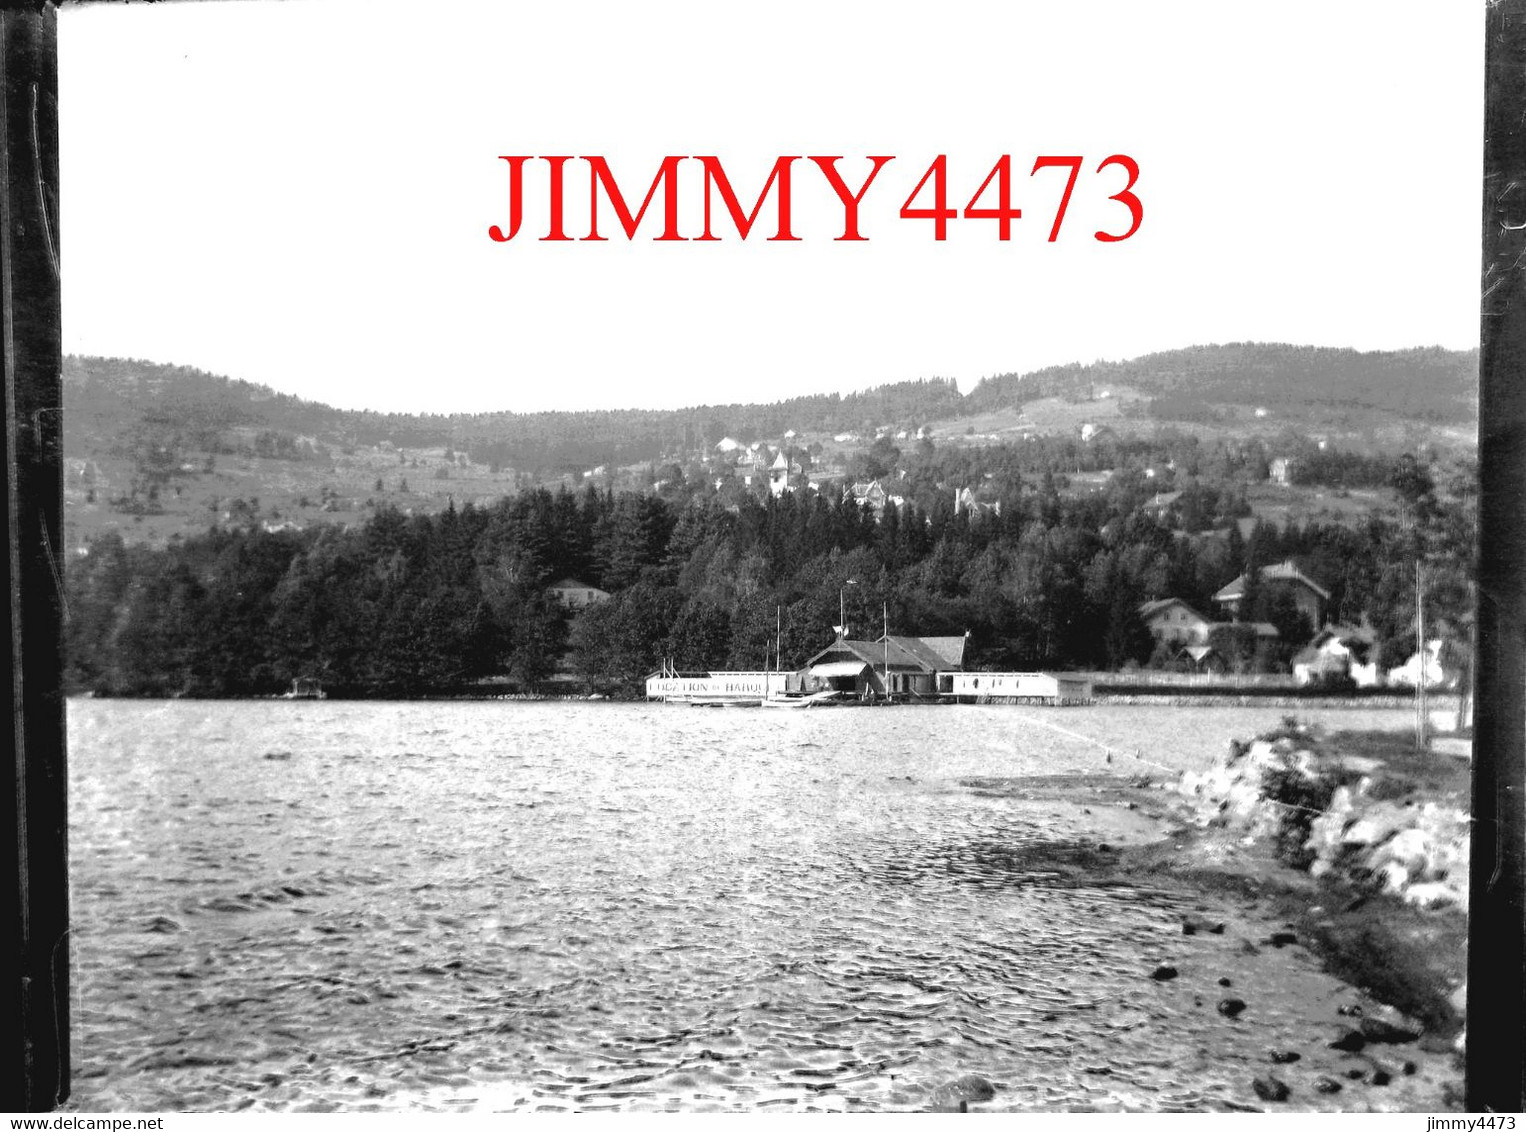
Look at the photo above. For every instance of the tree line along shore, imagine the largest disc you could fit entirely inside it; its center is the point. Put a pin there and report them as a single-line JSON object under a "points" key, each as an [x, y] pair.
{"points": [[410, 605]]}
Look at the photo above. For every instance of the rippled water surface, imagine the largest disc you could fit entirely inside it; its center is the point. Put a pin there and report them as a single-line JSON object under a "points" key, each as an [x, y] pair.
{"points": [[599, 906]]}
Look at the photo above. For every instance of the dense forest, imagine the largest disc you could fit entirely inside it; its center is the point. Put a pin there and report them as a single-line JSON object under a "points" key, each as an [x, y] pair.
{"points": [[409, 605]]}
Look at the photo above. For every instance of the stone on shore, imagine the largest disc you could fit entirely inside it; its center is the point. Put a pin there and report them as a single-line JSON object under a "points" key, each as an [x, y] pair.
{"points": [[1270, 1088], [1192, 925], [959, 1094], [1386, 1033], [1164, 973], [1349, 1040]]}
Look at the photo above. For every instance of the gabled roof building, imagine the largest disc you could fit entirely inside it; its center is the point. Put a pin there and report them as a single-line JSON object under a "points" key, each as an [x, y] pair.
{"points": [[872, 494], [574, 594], [892, 665], [1308, 595], [965, 500], [1173, 621], [1162, 501], [778, 474]]}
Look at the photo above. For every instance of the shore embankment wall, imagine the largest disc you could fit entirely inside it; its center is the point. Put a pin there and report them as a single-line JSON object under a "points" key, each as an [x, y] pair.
{"points": [[1229, 698]]}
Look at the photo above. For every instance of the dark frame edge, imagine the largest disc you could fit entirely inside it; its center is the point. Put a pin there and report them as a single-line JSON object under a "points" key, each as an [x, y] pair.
{"points": [[34, 954], [1496, 1010]]}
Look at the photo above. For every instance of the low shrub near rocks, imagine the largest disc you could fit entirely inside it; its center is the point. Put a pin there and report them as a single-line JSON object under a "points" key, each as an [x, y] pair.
{"points": [[1302, 794]]}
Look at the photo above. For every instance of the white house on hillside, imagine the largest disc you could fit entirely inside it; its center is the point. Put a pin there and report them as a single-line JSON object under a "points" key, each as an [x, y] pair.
{"points": [[778, 474]]}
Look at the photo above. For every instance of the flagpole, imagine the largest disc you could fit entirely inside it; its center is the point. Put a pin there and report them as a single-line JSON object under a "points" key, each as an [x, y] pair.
{"points": [[778, 646]]}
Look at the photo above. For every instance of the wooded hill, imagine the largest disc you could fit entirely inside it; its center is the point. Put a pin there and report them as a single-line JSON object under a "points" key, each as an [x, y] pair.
{"points": [[170, 413], [1427, 385]]}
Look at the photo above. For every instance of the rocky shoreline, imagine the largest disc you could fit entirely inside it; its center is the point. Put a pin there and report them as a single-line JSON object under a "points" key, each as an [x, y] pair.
{"points": [[1349, 846]]}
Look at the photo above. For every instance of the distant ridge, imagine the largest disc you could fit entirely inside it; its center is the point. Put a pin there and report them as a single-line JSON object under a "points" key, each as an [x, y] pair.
{"points": [[106, 396], [1428, 384]]}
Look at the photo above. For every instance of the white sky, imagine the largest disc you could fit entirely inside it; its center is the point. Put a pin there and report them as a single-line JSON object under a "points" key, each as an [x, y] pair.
{"points": [[298, 192]]}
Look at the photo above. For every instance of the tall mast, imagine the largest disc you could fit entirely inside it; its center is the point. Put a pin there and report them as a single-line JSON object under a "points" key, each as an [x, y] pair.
{"points": [[1422, 720]]}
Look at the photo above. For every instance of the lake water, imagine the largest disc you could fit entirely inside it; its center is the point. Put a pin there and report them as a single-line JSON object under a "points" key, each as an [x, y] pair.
{"points": [[534, 906]]}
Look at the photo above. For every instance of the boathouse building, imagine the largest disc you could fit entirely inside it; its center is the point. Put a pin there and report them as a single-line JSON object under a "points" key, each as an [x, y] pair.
{"points": [[890, 666]]}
